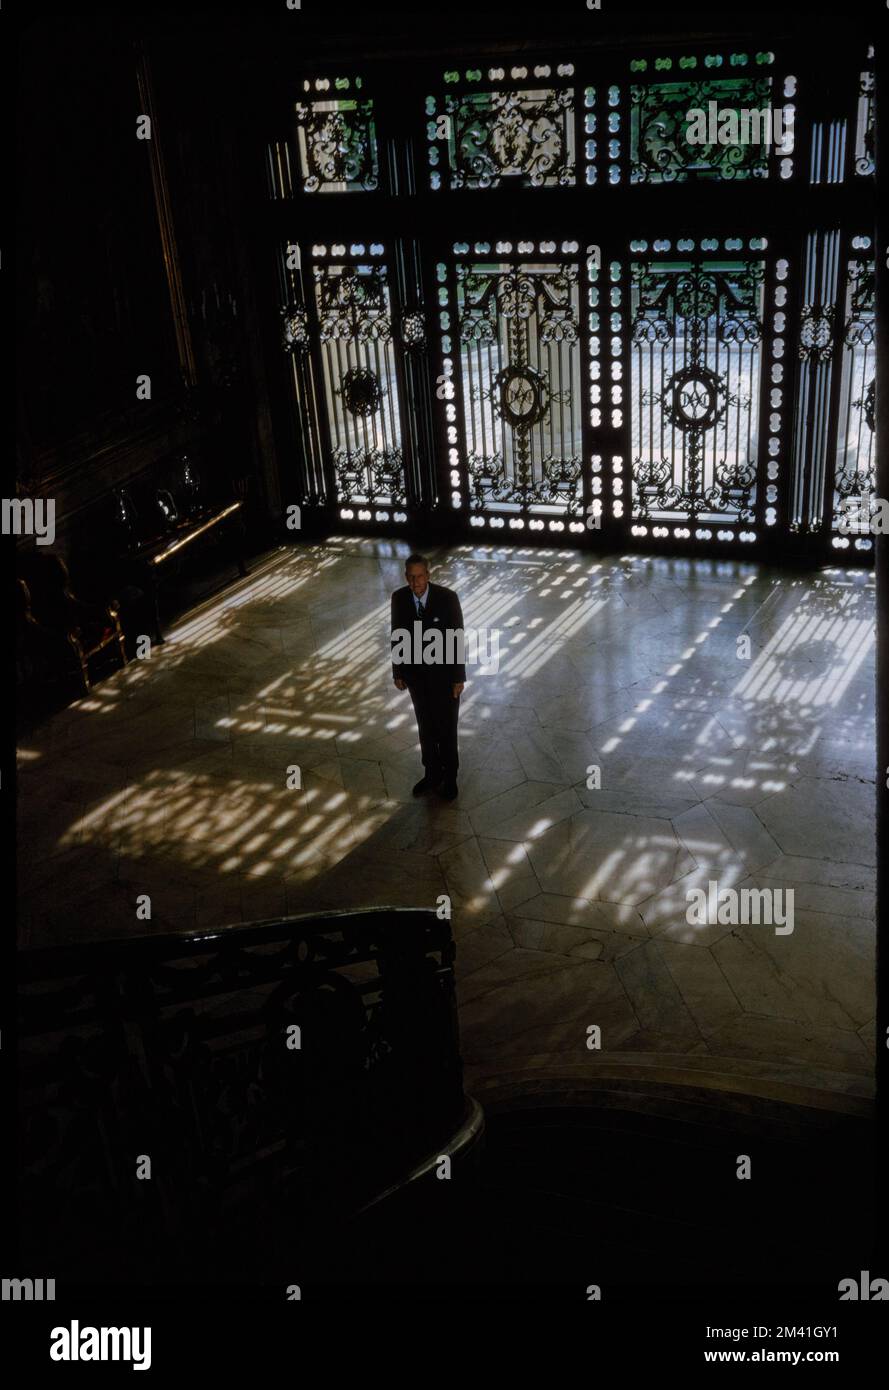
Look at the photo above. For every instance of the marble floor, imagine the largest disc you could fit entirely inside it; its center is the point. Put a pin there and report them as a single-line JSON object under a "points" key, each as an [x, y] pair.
{"points": [[747, 763]]}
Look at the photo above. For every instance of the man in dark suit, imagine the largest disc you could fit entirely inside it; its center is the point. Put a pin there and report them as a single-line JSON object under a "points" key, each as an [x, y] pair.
{"points": [[424, 610]]}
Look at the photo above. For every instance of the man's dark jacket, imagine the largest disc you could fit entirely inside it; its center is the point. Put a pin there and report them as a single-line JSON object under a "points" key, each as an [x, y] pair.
{"points": [[442, 611]]}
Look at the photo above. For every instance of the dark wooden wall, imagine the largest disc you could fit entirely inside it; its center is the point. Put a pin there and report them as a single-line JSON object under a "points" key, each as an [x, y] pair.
{"points": [[135, 257]]}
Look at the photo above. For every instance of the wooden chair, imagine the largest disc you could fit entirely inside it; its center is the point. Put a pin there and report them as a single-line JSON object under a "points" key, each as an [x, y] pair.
{"points": [[53, 621]]}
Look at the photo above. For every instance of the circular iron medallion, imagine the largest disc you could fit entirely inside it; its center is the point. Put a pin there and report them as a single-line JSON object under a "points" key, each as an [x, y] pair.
{"points": [[362, 393], [521, 395], [695, 398]]}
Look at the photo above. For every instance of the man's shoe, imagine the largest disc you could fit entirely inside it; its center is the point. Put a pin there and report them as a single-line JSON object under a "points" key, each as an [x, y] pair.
{"points": [[449, 791], [425, 784]]}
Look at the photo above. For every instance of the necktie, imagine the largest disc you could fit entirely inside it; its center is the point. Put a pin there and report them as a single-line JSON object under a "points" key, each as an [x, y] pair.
{"points": [[420, 610]]}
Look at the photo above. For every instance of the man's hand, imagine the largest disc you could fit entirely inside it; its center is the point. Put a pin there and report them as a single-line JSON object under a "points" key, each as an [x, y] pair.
{"points": [[458, 690], [400, 684]]}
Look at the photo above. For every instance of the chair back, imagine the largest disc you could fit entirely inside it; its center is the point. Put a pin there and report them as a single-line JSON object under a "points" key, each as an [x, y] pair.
{"points": [[47, 584]]}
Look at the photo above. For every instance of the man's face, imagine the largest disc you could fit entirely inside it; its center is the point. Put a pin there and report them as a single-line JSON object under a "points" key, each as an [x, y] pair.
{"points": [[417, 577]]}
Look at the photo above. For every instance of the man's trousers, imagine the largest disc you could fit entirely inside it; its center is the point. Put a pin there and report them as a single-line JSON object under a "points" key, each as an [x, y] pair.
{"points": [[437, 712]]}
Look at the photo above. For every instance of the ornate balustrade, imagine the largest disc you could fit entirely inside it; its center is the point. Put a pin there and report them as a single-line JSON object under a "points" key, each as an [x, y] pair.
{"points": [[274, 1079]]}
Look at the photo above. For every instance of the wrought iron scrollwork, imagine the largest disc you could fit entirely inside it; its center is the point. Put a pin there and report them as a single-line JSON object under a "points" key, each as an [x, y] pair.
{"points": [[374, 475], [520, 395], [855, 481], [868, 404], [361, 392], [865, 148], [559, 484], [520, 134], [816, 334], [661, 151], [696, 333], [519, 329], [352, 303], [413, 330], [355, 332], [695, 398], [296, 328], [337, 146], [860, 327]]}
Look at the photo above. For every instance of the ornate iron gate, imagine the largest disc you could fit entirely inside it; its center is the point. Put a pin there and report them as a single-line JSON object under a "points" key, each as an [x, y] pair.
{"points": [[342, 316], [518, 379], [696, 332], [689, 390], [855, 463]]}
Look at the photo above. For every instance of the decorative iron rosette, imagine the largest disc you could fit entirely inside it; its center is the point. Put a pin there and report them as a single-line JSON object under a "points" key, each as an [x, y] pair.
{"points": [[296, 328], [413, 330], [816, 333], [361, 392]]}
